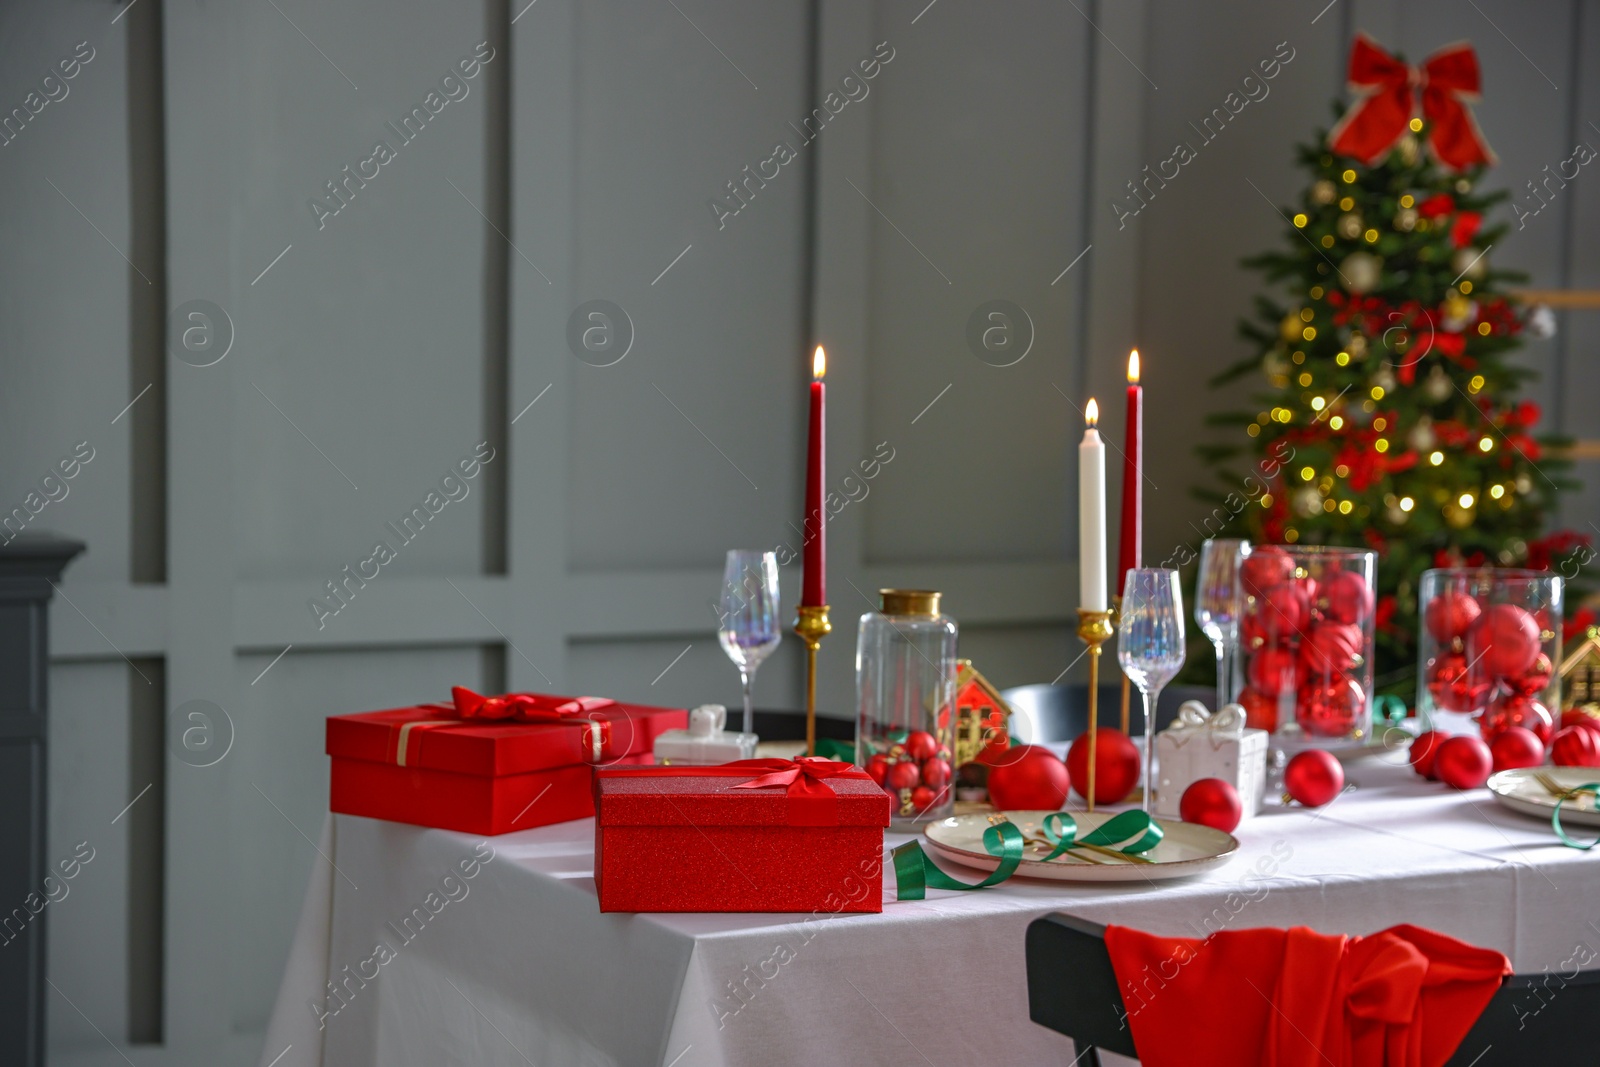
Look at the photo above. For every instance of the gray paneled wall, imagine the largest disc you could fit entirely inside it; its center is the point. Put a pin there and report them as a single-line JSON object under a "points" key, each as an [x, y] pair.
{"points": [[425, 307]]}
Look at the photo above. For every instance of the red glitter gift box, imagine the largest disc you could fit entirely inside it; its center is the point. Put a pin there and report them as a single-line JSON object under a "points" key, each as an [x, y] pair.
{"points": [[754, 835], [487, 765]]}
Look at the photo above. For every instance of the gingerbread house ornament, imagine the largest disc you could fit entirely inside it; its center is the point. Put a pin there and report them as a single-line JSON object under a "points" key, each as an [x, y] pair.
{"points": [[982, 715], [1580, 673]]}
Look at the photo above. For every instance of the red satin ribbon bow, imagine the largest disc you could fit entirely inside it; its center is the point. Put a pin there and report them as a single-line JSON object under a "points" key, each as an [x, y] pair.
{"points": [[1446, 81], [803, 777], [524, 707]]}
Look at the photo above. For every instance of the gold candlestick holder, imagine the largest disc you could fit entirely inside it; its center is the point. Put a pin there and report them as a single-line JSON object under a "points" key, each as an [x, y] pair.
{"points": [[812, 626], [1094, 630], [1127, 695]]}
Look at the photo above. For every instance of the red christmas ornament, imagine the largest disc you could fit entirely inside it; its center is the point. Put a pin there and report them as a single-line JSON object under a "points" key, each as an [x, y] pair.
{"points": [[1584, 718], [1456, 685], [878, 767], [1331, 708], [1280, 613], [1260, 710], [936, 772], [1264, 568], [1423, 752], [1331, 648], [1116, 765], [1505, 639], [1576, 746], [1513, 709], [1034, 780], [1536, 680], [1463, 762], [1451, 615], [902, 775], [1313, 777], [923, 798], [1212, 802], [1348, 598], [1273, 670], [1516, 746], [921, 745]]}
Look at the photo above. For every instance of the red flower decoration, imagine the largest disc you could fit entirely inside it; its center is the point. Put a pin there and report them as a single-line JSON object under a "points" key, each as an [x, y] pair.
{"points": [[1436, 205], [1465, 228]]}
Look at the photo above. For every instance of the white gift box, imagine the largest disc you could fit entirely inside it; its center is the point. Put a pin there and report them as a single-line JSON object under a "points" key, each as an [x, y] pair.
{"points": [[1205, 745], [705, 742]]}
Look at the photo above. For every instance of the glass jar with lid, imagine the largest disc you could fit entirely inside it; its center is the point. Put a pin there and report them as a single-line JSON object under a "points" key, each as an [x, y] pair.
{"points": [[905, 690]]}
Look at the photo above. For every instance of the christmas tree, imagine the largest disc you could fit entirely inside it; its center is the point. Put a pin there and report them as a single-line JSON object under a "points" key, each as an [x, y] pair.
{"points": [[1389, 416]]}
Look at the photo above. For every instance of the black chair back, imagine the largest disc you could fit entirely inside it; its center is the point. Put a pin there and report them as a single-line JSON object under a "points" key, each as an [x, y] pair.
{"points": [[1533, 1018], [1047, 713]]}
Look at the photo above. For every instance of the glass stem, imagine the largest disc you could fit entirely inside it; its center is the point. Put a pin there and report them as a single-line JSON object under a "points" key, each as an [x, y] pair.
{"points": [[1151, 696], [1223, 679], [747, 677]]}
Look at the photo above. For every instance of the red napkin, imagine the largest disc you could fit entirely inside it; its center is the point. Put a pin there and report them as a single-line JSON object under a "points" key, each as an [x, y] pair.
{"points": [[1404, 997]]}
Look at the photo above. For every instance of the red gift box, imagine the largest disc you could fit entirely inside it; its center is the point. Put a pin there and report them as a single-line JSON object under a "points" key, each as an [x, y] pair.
{"points": [[487, 765], [754, 835]]}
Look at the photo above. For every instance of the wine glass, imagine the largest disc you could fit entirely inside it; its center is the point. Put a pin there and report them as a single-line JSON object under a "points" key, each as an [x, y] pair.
{"points": [[747, 625], [1150, 647], [1217, 603]]}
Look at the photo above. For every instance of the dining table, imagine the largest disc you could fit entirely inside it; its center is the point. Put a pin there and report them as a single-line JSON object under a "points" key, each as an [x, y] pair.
{"points": [[399, 958]]}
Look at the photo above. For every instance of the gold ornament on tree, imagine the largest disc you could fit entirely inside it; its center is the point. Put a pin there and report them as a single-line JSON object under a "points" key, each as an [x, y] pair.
{"points": [[1349, 225], [1323, 192], [1422, 438], [1291, 326], [1436, 386], [1357, 346], [1459, 312], [1470, 262], [1384, 379], [1361, 272], [1405, 220]]}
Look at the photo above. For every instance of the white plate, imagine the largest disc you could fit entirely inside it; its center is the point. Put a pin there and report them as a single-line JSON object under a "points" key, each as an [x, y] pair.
{"points": [[1521, 792], [1186, 849]]}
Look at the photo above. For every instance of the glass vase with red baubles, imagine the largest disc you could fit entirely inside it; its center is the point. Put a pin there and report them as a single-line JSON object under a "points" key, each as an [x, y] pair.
{"points": [[1487, 651], [1306, 643]]}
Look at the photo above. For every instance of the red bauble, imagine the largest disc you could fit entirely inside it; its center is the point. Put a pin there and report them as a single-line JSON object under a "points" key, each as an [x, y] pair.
{"points": [[878, 767], [1513, 709], [921, 745], [1212, 802], [1576, 746], [1331, 648], [1280, 613], [1348, 598], [1536, 680], [1423, 752], [1264, 568], [1516, 747], [923, 798], [936, 772], [1273, 670], [1034, 779], [1330, 708], [1116, 765], [1505, 640], [1455, 685], [1584, 718], [1260, 710], [902, 775], [1451, 615], [1463, 762], [1313, 777]]}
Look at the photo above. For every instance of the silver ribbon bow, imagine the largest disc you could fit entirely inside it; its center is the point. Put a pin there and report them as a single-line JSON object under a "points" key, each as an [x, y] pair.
{"points": [[1195, 718]]}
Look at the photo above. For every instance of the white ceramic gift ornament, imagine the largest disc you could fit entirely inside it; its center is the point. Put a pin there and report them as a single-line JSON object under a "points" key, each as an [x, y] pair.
{"points": [[1199, 745], [705, 743]]}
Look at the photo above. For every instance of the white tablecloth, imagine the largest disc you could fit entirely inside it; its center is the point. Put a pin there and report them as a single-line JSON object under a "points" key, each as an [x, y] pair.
{"points": [[518, 965]]}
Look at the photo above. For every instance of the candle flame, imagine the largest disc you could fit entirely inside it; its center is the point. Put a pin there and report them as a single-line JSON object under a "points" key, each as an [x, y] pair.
{"points": [[819, 363], [1133, 367], [1091, 414]]}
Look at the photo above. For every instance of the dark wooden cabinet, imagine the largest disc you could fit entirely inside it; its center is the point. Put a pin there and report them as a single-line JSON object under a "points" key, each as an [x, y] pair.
{"points": [[28, 566]]}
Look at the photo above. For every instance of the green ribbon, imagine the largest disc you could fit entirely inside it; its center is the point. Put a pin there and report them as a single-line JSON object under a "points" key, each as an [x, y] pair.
{"points": [[1593, 789], [831, 748], [1388, 709], [915, 872]]}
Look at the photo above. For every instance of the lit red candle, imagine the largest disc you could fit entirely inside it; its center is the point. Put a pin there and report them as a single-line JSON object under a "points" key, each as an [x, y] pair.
{"points": [[1128, 555], [814, 592]]}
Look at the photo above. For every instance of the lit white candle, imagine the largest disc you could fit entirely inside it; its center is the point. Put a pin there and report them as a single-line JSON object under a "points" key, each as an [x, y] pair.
{"points": [[1092, 514]]}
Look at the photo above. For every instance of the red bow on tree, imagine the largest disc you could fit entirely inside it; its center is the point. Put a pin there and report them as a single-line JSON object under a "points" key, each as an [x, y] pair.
{"points": [[1445, 81], [523, 707]]}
